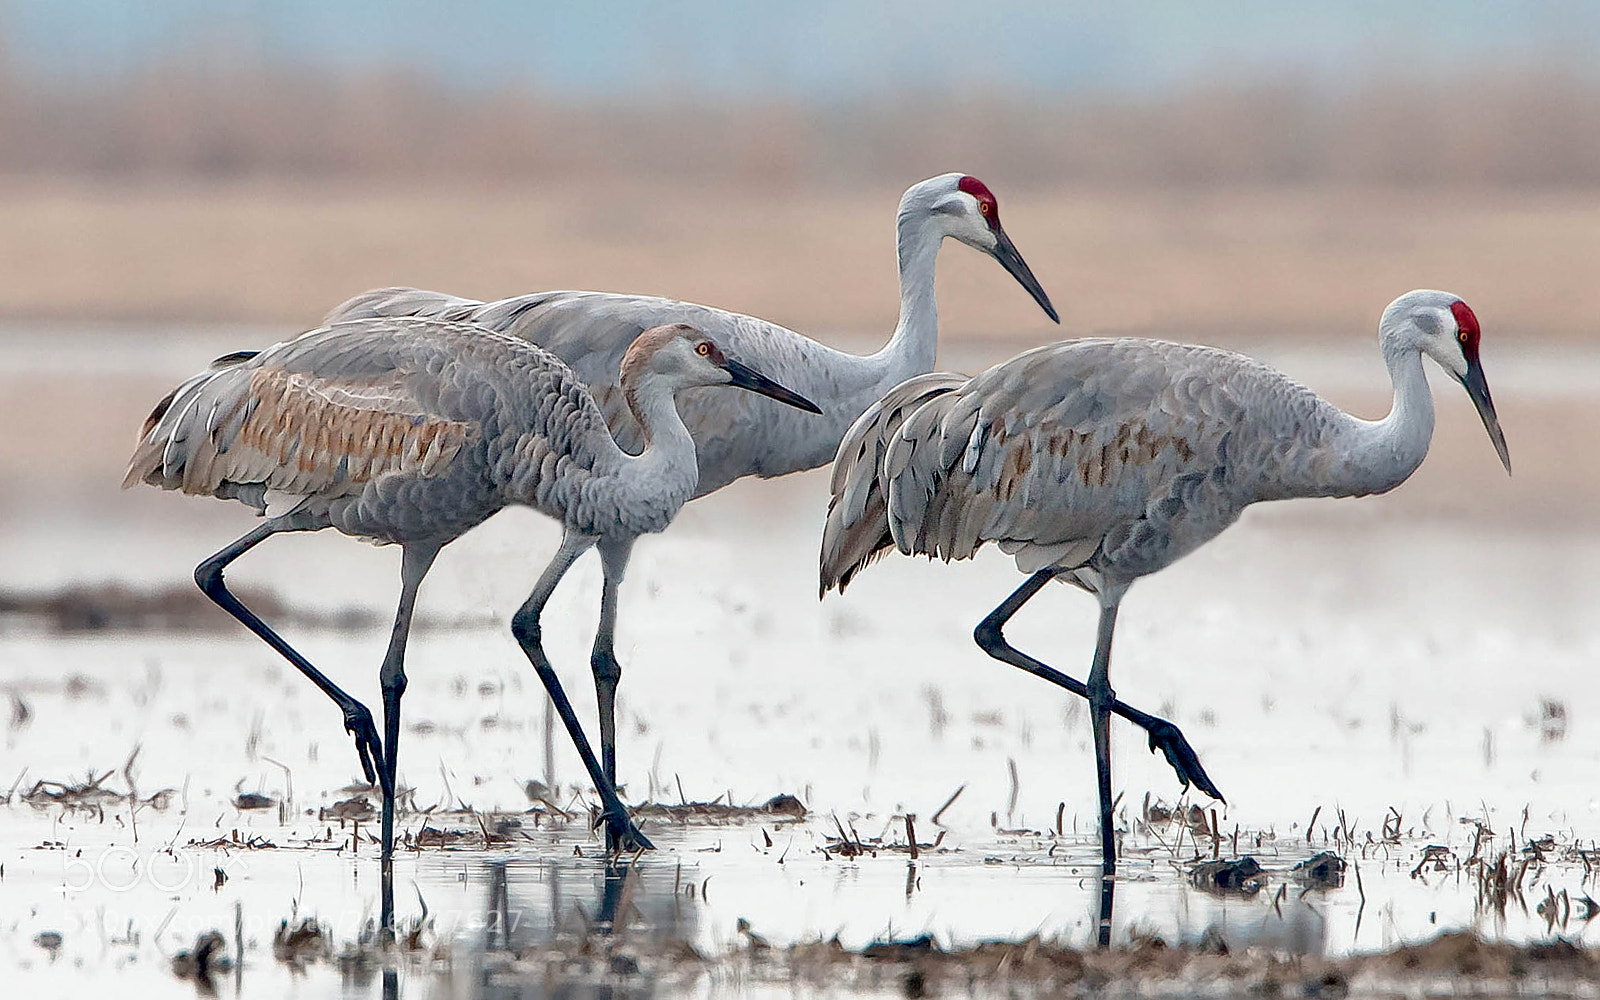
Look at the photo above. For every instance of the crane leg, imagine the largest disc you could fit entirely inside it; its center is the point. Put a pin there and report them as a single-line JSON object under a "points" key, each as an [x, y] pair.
{"points": [[1101, 698], [414, 565], [357, 718], [614, 554], [525, 626], [1164, 736]]}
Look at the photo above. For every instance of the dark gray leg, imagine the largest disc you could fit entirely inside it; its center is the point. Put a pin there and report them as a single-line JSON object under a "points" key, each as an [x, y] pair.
{"points": [[1100, 699], [607, 672], [357, 718], [525, 626], [414, 565], [1164, 736]]}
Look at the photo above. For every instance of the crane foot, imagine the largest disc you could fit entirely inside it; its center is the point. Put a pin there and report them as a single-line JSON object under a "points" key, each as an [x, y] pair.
{"points": [[358, 722], [622, 837], [1169, 739]]}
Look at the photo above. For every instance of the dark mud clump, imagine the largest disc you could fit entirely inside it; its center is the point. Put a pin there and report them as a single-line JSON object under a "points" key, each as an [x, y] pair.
{"points": [[1238, 876], [357, 808], [1321, 871]]}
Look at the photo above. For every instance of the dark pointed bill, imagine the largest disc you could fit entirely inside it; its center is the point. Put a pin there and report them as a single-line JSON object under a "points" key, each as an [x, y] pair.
{"points": [[746, 377], [1006, 253], [1478, 388]]}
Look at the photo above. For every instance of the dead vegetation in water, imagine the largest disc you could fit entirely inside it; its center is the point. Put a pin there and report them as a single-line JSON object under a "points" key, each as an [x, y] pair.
{"points": [[234, 842], [487, 830], [91, 794], [721, 810], [850, 844]]}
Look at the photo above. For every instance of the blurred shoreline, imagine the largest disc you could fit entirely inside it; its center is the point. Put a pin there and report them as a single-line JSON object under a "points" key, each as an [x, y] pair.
{"points": [[1230, 266]]}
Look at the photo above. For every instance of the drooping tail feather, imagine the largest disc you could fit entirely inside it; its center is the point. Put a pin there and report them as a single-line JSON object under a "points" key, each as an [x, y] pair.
{"points": [[158, 459], [857, 530]]}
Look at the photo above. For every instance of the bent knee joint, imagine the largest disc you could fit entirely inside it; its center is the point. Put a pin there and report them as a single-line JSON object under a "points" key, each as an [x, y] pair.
{"points": [[208, 577], [525, 627], [605, 666], [988, 635]]}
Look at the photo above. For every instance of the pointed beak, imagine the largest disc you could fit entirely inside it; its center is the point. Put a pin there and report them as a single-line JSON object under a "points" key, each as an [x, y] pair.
{"points": [[1478, 388], [1006, 253], [746, 377]]}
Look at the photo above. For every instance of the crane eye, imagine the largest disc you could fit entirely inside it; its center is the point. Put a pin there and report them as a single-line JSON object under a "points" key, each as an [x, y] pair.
{"points": [[703, 348], [1462, 336], [983, 207]]}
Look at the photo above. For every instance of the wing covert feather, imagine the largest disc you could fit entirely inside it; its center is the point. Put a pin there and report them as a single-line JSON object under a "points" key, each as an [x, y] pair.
{"points": [[1084, 447], [344, 407], [736, 434]]}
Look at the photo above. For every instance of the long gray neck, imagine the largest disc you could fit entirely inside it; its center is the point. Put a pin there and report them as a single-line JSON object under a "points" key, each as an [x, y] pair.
{"points": [[654, 484], [1382, 454], [915, 344]]}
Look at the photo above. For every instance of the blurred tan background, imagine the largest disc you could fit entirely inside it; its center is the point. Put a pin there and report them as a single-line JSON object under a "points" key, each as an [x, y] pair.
{"points": [[1245, 177]]}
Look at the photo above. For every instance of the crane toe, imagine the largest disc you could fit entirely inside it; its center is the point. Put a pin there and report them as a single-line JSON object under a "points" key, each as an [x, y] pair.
{"points": [[622, 836], [1170, 741], [358, 722]]}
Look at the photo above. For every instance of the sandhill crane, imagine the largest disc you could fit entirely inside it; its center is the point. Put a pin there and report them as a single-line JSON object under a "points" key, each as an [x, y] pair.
{"points": [[735, 437], [1097, 462], [412, 431]]}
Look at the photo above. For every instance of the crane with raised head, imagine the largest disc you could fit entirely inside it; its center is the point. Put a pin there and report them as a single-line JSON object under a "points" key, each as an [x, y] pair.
{"points": [[1097, 462], [735, 437], [412, 431]]}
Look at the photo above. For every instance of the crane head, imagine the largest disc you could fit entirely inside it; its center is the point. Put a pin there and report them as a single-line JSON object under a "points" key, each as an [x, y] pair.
{"points": [[1446, 329], [681, 357], [964, 208], [1471, 377]]}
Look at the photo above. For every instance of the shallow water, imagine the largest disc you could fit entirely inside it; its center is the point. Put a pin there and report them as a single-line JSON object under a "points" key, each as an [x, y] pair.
{"points": [[1408, 653]]}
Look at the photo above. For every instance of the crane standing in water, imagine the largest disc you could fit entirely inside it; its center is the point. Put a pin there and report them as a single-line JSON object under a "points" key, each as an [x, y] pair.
{"points": [[735, 436], [1097, 462], [413, 431]]}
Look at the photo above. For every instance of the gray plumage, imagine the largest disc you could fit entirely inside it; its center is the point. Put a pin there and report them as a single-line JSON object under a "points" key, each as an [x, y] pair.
{"points": [[738, 435], [1097, 462], [403, 429], [413, 430], [859, 532], [1112, 456]]}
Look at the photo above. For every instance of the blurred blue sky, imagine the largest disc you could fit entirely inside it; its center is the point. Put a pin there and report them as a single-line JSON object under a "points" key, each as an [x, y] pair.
{"points": [[829, 50]]}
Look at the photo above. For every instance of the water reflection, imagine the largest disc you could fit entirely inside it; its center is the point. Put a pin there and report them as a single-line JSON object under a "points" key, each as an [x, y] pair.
{"points": [[579, 927], [1291, 922]]}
